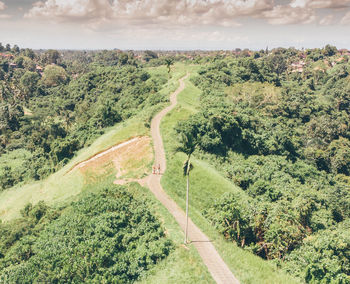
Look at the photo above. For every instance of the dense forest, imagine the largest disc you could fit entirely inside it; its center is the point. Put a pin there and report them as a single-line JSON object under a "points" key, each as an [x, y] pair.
{"points": [[55, 103], [280, 131], [274, 123], [108, 236]]}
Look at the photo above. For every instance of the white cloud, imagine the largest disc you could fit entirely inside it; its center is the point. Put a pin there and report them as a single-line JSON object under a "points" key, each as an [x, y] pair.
{"points": [[145, 12], [346, 19], [286, 14], [327, 20], [70, 9], [2, 8], [102, 14], [213, 36], [320, 4]]}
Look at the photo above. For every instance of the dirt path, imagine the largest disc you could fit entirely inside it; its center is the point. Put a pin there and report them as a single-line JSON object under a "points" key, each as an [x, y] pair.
{"points": [[216, 266]]}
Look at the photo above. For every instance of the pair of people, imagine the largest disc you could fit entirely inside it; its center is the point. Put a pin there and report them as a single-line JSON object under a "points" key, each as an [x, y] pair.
{"points": [[156, 170]]}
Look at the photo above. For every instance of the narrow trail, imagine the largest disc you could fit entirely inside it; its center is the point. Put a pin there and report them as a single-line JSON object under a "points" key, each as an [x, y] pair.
{"points": [[215, 264]]}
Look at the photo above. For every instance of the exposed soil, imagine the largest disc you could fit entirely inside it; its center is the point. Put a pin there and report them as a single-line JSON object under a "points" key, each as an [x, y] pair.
{"points": [[128, 158]]}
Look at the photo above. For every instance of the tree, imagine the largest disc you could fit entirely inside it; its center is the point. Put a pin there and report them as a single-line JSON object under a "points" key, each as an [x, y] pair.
{"points": [[16, 49], [338, 152], [54, 75], [108, 57], [4, 65], [123, 58], [149, 55], [188, 143], [29, 53], [278, 63], [168, 62], [29, 82], [6, 179], [51, 56], [105, 114], [9, 117], [19, 61], [329, 50], [29, 64]]}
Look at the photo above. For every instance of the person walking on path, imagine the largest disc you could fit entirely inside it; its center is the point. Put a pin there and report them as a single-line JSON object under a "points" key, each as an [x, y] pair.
{"points": [[154, 169], [158, 169]]}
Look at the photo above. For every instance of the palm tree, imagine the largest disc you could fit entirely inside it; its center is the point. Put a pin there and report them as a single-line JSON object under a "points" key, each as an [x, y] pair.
{"points": [[168, 62], [187, 146]]}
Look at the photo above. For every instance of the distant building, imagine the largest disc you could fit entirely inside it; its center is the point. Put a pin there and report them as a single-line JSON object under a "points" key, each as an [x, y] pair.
{"points": [[298, 66], [343, 51], [6, 55], [39, 69]]}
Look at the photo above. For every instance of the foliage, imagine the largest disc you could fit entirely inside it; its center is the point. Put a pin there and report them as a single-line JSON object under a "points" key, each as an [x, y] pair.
{"points": [[106, 236], [54, 103], [324, 257], [149, 55], [283, 138], [54, 76]]}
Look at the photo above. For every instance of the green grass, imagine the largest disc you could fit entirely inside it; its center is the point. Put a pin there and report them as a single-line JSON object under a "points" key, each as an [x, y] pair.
{"points": [[190, 97], [207, 184], [64, 184], [184, 264], [178, 70], [61, 185]]}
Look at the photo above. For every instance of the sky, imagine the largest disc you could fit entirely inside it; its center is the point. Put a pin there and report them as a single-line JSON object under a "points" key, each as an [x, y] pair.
{"points": [[175, 24]]}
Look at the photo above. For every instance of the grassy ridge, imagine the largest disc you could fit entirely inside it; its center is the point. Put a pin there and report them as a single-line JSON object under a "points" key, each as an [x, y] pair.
{"points": [[183, 265], [60, 186], [207, 184]]}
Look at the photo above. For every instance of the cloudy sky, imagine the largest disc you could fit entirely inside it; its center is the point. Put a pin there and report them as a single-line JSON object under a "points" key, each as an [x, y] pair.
{"points": [[174, 24]]}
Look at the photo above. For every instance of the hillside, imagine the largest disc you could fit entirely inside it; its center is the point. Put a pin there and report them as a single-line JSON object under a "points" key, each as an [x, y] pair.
{"points": [[281, 139], [269, 147], [73, 183]]}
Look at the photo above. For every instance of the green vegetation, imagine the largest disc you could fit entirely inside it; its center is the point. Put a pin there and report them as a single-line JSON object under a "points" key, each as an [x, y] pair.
{"points": [[61, 185], [70, 107], [181, 265], [267, 134], [184, 264], [282, 137], [106, 236], [207, 185]]}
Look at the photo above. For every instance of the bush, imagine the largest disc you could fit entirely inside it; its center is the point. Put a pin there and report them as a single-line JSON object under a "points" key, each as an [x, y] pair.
{"points": [[54, 75], [107, 236], [324, 257]]}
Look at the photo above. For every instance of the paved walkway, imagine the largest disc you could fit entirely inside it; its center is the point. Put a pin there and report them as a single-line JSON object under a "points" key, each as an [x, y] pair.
{"points": [[216, 266]]}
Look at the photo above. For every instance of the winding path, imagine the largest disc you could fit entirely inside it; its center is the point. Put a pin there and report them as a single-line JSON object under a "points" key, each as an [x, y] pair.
{"points": [[216, 266]]}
